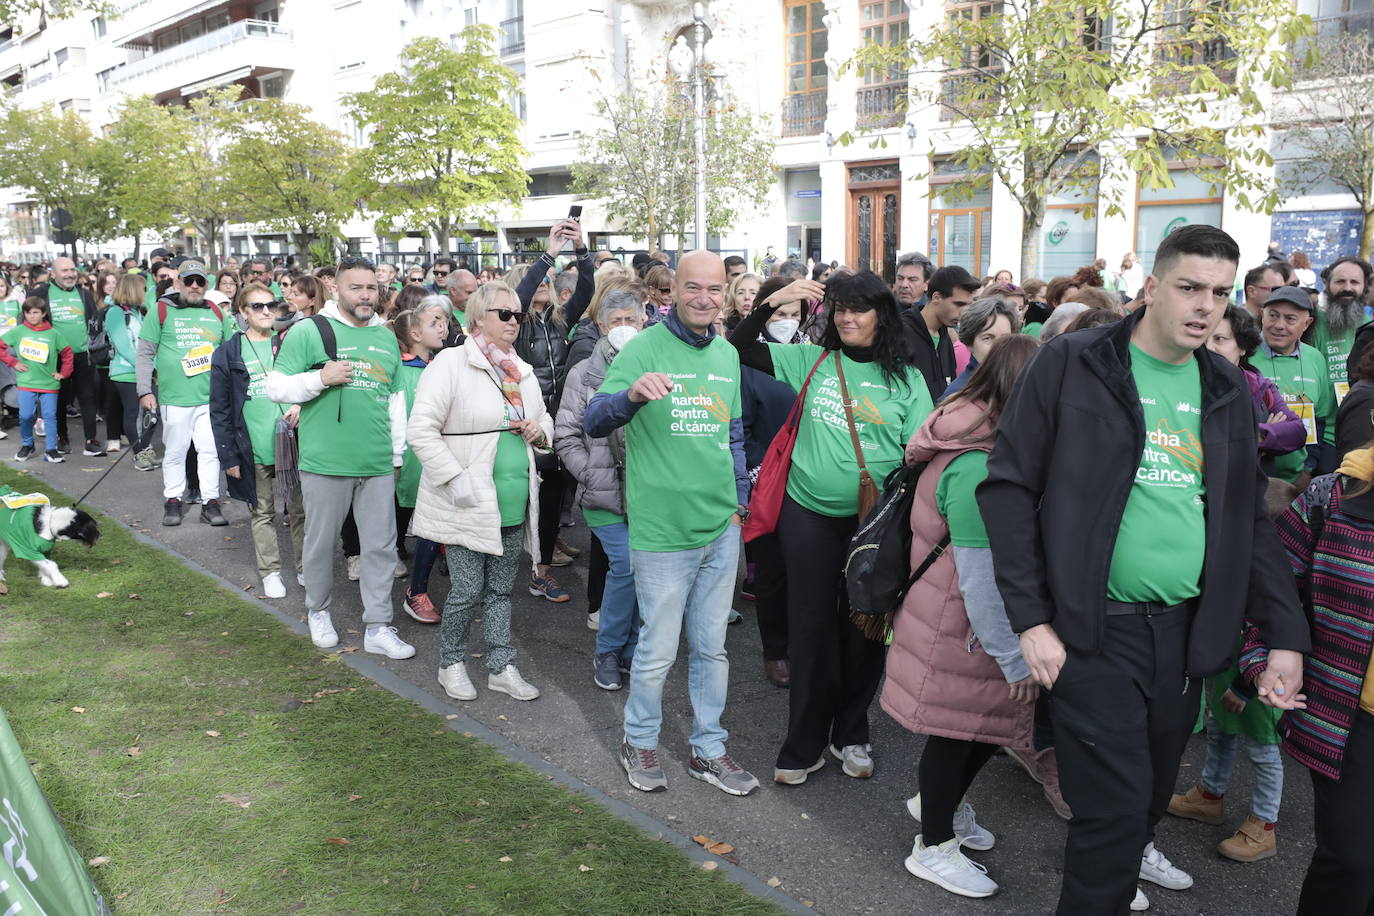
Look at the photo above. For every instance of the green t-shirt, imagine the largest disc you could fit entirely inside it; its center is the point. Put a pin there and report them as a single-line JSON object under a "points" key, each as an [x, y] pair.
{"points": [[1335, 347], [41, 351], [825, 474], [511, 475], [260, 413], [1163, 534], [598, 518], [346, 430], [1032, 329], [1303, 381], [184, 348], [68, 316], [11, 314], [408, 478], [16, 524], [954, 499], [679, 470]]}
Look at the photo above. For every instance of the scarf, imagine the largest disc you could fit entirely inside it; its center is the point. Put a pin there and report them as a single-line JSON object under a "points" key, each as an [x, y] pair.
{"points": [[1358, 464], [506, 371]]}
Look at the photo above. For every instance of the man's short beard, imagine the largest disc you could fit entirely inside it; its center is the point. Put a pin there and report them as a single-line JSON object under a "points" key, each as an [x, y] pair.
{"points": [[193, 295], [1342, 316]]}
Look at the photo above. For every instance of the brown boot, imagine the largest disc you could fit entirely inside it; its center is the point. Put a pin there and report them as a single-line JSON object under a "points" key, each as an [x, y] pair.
{"points": [[1197, 807], [777, 672], [1049, 780], [1251, 842]]}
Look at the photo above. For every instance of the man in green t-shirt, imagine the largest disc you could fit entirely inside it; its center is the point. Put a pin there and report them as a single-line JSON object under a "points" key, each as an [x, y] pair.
{"points": [[1126, 515], [176, 340], [73, 313], [352, 434], [1342, 312], [675, 389], [1300, 372]]}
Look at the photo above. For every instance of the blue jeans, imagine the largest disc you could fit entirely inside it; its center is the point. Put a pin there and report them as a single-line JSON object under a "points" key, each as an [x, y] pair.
{"points": [[1267, 763], [30, 402], [619, 628], [683, 586]]}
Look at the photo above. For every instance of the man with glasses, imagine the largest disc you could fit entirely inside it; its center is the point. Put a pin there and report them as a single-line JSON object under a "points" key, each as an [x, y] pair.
{"points": [[1300, 372], [1259, 283], [179, 336], [74, 315], [415, 276], [352, 432], [443, 268]]}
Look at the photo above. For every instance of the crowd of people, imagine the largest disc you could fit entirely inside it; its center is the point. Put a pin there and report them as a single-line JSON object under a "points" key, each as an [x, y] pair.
{"points": [[1140, 502]]}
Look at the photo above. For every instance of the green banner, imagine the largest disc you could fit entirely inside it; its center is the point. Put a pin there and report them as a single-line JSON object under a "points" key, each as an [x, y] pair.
{"points": [[40, 872]]}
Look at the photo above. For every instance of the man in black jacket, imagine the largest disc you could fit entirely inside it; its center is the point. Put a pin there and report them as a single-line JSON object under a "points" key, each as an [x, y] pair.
{"points": [[1126, 515], [930, 345]]}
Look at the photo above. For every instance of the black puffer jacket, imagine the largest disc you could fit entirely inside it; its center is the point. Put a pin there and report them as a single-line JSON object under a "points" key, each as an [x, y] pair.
{"points": [[542, 343]]}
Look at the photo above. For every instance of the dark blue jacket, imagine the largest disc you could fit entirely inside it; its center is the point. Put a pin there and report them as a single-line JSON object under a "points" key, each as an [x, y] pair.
{"points": [[228, 394], [766, 403]]}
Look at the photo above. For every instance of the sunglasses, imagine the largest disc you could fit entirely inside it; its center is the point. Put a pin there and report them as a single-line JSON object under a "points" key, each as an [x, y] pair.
{"points": [[260, 306], [441, 273], [193, 281], [508, 314], [665, 290]]}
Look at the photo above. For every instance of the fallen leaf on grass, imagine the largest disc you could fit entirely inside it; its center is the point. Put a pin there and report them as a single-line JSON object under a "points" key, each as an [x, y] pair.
{"points": [[775, 881], [126, 795], [134, 751], [104, 594], [212, 733], [711, 865], [471, 887], [135, 597], [243, 801], [584, 868], [222, 897], [713, 846], [98, 861], [504, 859], [354, 797], [415, 887], [78, 709], [337, 840]]}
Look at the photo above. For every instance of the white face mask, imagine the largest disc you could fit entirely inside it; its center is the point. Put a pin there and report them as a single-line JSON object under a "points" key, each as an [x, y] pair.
{"points": [[620, 335], [783, 329]]}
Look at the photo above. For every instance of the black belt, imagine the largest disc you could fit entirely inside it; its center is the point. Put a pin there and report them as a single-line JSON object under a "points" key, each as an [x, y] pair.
{"points": [[1142, 608]]}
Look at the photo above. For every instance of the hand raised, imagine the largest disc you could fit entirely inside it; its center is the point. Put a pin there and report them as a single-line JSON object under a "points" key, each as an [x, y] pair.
{"points": [[651, 386]]}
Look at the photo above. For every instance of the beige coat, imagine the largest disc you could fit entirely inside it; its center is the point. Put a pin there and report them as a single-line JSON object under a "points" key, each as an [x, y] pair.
{"points": [[458, 392]]}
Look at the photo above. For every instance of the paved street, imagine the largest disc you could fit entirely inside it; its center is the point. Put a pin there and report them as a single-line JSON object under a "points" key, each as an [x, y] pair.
{"points": [[835, 842]]}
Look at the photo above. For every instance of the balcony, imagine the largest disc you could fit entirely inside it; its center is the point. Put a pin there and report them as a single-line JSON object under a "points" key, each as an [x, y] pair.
{"points": [[803, 114], [513, 36], [1351, 36], [881, 106], [240, 49]]}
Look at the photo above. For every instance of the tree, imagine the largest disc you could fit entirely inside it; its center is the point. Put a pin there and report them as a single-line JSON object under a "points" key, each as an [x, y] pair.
{"points": [[56, 159], [288, 171], [641, 161], [201, 185], [141, 165], [1047, 84], [1334, 127], [444, 147]]}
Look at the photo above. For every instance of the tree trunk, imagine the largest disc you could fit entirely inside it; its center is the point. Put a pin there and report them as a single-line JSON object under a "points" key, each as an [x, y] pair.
{"points": [[1367, 234], [138, 242]]}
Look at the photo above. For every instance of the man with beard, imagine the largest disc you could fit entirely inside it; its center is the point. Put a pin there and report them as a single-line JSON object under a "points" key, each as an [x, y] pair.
{"points": [[1347, 281]]}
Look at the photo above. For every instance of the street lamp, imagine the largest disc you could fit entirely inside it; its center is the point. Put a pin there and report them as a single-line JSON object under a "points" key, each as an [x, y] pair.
{"points": [[700, 33]]}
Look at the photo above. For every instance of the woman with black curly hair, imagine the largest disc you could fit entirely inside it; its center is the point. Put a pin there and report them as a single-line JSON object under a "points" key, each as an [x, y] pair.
{"points": [[861, 395]]}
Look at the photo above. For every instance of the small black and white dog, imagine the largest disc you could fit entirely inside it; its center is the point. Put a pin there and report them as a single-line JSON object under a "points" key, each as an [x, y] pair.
{"points": [[50, 524]]}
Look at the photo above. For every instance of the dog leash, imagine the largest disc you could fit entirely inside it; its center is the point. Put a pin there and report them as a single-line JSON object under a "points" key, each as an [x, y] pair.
{"points": [[113, 465]]}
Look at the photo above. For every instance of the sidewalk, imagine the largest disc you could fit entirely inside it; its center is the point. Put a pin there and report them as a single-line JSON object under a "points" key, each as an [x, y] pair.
{"points": [[835, 843]]}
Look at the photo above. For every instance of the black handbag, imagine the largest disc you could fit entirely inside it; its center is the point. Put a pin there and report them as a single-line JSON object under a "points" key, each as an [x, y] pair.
{"points": [[877, 567]]}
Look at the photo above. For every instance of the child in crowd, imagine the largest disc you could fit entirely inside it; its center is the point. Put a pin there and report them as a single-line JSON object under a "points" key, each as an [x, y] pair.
{"points": [[41, 361]]}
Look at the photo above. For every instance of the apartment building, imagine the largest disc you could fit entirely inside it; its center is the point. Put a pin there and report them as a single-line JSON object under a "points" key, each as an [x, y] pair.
{"points": [[859, 204]]}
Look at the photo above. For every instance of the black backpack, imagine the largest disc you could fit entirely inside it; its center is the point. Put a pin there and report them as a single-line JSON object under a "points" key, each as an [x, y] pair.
{"points": [[875, 568]]}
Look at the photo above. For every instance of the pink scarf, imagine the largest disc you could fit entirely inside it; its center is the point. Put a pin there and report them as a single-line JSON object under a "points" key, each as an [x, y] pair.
{"points": [[509, 373]]}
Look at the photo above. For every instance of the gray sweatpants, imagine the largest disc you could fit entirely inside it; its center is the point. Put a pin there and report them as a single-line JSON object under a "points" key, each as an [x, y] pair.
{"points": [[327, 500]]}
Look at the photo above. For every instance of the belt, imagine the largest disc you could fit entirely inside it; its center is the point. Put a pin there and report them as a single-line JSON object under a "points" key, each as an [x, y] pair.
{"points": [[1142, 608]]}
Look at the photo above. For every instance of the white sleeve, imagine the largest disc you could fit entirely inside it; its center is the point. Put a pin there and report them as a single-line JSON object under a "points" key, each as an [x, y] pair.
{"points": [[295, 389]]}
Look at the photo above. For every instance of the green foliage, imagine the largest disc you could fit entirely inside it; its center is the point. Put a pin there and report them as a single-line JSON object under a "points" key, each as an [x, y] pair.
{"points": [[1044, 85], [55, 157], [288, 171], [444, 146], [641, 161], [142, 167], [206, 196]]}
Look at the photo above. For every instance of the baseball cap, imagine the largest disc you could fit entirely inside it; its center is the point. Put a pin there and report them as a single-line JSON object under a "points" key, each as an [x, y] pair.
{"points": [[190, 268], [1293, 296], [159, 253]]}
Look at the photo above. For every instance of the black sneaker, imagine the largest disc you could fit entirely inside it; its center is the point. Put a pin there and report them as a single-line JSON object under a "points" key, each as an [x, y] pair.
{"points": [[53, 456], [93, 450], [64, 446], [606, 670], [171, 512], [25, 453], [210, 513]]}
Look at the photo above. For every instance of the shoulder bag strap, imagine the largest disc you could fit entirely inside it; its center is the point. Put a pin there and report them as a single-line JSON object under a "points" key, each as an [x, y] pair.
{"points": [[849, 418]]}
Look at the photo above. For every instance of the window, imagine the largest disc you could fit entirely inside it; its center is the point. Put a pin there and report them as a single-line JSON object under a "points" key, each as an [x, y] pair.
{"points": [[98, 26], [192, 30], [547, 184], [103, 78], [1178, 45], [216, 20], [969, 69], [806, 76], [68, 59], [882, 100], [272, 86], [1159, 211]]}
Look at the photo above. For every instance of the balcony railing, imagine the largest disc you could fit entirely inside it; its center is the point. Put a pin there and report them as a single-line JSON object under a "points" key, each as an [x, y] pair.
{"points": [[803, 114], [881, 106], [1350, 34], [219, 38], [513, 35]]}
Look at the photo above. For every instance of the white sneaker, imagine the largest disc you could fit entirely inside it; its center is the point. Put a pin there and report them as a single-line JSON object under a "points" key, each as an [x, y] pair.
{"points": [[355, 568], [1141, 903], [511, 683], [300, 579], [384, 641], [968, 831], [322, 629], [112, 445], [456, 682], [948, 867], [857, 759], [401, 571], [1155, 867], [272, 586], [594, 620], [789, 777]]}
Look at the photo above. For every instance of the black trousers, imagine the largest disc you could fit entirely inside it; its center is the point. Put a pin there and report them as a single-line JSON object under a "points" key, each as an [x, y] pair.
{"points": [[127, 398], [770, 594], [947, 769], [835, 669], [1340, 880], [1121, 720], [597, 566], [81, 385], [551, 487]]}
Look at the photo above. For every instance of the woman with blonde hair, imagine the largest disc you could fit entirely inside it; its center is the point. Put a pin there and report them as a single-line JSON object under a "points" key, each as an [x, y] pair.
{"points": [[478, 420], [739, 298], [123, 320], [658, 283]]}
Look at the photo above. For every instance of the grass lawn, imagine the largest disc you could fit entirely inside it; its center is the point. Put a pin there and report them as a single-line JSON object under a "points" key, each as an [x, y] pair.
{"points": [[224, 765]]}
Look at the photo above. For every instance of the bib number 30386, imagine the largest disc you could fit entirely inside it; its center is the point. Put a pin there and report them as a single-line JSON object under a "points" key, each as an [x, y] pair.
{"points": [[197, 361]]}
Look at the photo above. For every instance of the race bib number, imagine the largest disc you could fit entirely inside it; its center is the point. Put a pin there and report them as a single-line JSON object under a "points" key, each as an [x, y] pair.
{"points": [[1307, 412], [34, 350], [1342, 389], [8, 321], [197, 362], [20, 500]]}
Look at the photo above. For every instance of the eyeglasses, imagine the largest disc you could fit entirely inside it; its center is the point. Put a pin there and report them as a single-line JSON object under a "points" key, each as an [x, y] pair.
{"points": [[260, 306], [441, 273], [193, 281], [666, 290], [508, 314], [415, 279]]}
